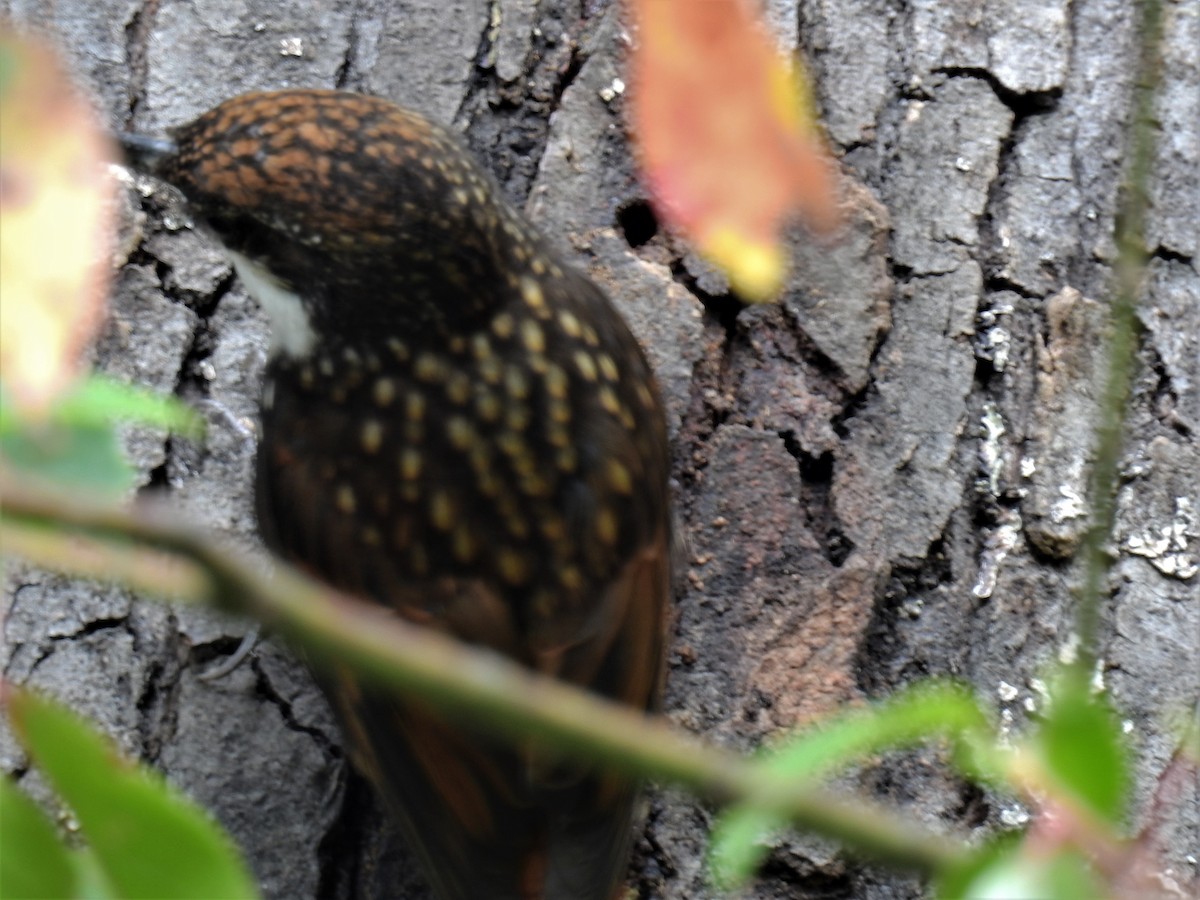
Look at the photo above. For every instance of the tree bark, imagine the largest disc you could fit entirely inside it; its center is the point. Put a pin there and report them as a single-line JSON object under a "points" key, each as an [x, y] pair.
{"points": [[881, 478]]}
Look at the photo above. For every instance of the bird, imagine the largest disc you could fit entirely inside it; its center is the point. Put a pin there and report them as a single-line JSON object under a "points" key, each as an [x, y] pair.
{"points": [[457, 425]]}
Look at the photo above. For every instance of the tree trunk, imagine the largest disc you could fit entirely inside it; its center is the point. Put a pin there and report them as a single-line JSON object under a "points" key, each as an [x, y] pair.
{"points": [[881, 478]]}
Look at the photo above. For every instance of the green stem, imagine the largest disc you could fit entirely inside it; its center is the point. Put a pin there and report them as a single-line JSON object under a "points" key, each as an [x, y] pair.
{"points": [[1131, 261], [465, 682]]}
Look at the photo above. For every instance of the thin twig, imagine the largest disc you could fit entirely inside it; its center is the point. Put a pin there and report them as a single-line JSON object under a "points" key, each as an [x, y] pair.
{"points": [[1132, 256], [473, 684]]}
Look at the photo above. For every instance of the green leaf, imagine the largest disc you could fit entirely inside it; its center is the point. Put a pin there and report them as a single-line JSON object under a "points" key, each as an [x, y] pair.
{"points": [[148, 840], [1010, 869], [741, 836], [34, 864], [82, 456], [76, 443], [102, 400], [1081, 744]]}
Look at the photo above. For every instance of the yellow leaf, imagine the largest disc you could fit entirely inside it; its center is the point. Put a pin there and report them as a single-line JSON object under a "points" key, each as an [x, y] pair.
{"points": [[54, 224]]}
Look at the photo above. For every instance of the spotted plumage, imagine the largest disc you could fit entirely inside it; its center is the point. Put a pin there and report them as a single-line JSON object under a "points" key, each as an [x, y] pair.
{"points": [[459, 426]]}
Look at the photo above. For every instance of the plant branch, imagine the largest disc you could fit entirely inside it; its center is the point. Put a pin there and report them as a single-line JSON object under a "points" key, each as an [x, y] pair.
{"points": [[1130, 271], [471, 684]]}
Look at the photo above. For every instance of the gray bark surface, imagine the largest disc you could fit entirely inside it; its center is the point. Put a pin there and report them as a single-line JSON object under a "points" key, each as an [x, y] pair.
{"points": [[881, 478]]}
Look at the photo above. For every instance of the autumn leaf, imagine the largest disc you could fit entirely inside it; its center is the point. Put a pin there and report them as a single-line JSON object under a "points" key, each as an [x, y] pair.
{"points": [[54, 224], [726, 136]]}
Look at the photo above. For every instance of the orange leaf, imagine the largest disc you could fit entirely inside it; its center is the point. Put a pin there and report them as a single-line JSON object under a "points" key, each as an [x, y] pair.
{"points": [[54, 223], [726, 137]]}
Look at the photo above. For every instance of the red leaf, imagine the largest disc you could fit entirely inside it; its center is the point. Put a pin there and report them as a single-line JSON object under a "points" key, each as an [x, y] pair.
{"points": [[725, 134]]}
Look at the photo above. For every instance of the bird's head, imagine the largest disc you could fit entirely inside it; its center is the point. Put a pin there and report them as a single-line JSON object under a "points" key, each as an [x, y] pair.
{"points": [[372, 215]]}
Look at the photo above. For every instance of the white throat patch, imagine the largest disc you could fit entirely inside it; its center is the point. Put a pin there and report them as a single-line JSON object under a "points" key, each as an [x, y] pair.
{"points": [[292, 333]]}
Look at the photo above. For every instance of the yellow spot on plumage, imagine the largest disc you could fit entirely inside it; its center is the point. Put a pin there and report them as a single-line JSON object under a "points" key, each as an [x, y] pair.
{"points": [[487, 405], [570, 325], [516, 383], [410, 464], [544, 604], [491, 369], [606, 525], [464, 543], [460, 432], [538, 266], [345, 499], [372, 435], [414, 406], [325, 366], [566, 459], [556, 382], [532, 336], [480, 348], [570, 577], [487, 482], [458, 388], [608, 400], [511, 444], [442, 510], [607, 367], [384, 391], [524, 465], [371, 536], [533, 485], [645, 395], [552, 527], [398, 348], [306, 377], [503, 326], [559, 412], [429, 368], [590, 337], [557, 436], [517, 417], [585, 364], [532, 292], [618, 475], [512, 565]]}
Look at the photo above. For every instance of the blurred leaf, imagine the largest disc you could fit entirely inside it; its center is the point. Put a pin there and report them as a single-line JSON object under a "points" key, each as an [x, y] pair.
{"points": [[34, 864], [1011, 869], [54, 204], [81, 456], [1081, 744], [148, 840], [740, 837], [727, 138], [100, 400], [74, 442]]}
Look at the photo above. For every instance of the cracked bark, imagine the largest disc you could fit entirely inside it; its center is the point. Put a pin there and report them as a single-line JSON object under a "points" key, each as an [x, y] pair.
{"points": [[875, 479]]}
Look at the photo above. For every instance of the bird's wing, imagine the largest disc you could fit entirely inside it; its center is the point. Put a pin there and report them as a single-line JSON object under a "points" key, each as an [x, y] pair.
{"points": [[502, 822], [493, 821]]}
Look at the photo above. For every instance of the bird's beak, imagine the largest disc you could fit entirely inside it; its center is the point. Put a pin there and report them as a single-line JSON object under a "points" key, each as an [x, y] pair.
{"points": [[144, 152]]}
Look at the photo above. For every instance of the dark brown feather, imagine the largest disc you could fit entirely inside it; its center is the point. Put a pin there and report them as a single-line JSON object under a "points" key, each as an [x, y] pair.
{"points": [[472, 438]]}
